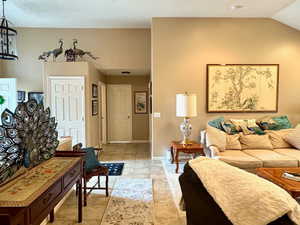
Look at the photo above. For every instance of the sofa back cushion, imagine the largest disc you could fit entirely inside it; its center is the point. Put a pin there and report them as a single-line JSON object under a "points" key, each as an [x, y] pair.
{"points": [[277, 138], [215, 137], [233, 142], [293, 138], [255, 142]]}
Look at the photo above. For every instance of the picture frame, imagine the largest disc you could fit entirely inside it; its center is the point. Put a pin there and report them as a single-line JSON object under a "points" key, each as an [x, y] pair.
{"points": [[94, 107], [38, 96], [238, 88], [141, 102], [21, 95], [94, 91]]}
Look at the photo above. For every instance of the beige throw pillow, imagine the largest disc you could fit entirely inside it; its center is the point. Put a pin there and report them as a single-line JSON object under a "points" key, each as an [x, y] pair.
{"points": [[255, 142], [215, 137], [293, 138], [277, 138], [233, 142]]}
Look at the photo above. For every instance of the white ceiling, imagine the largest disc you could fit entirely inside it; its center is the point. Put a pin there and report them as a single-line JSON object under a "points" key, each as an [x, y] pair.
{"points": [[138, 13], [290, 15]]}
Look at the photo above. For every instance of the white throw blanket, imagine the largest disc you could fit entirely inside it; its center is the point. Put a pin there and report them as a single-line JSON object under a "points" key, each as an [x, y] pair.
{"points": [[245, 198]]}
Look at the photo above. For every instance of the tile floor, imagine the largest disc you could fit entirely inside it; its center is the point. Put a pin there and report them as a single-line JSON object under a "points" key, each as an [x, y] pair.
{"points": [[138, 164]]}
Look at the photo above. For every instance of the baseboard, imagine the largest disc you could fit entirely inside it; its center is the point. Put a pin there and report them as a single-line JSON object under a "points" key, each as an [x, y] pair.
{"points": [[128, 142], [158, 158]]}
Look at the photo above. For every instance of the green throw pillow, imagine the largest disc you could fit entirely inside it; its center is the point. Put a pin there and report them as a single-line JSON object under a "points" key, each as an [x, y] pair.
{"points": [[91, 161], [283, 122], [217, 123]]}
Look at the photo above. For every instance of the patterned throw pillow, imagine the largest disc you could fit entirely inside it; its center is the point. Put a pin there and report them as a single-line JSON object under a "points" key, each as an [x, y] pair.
{"points": [[229, 127], [247, 126], [267, 123], [216, 123]]}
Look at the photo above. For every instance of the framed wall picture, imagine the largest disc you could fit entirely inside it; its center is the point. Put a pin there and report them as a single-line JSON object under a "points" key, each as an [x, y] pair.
{"points": [[140, 102], [38, 96], [242, 88], [21, 96], [94, 107], [94, 91]]}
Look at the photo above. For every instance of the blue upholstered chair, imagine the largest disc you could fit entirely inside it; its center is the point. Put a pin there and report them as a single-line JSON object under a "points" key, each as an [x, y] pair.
{"points": [[92, 168]]}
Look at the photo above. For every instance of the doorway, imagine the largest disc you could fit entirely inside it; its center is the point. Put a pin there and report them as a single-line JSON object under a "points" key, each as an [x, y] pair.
{"points": [[119, 108], [102, 110], [66, 100], [8, 91]]}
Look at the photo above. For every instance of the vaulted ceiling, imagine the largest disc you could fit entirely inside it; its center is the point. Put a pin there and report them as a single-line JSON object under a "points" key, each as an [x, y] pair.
{"points": [[138, 13]]}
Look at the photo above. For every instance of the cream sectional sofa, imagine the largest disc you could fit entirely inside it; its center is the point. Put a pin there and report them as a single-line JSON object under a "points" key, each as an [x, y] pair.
{"points": [[280, 154]]}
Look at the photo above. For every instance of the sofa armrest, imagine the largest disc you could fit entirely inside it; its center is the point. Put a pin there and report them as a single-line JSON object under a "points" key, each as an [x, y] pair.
{"points": [[214, 152]]}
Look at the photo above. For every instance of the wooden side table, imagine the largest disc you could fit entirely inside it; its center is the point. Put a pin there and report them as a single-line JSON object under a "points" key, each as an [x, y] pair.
{"points": [[192, 148]]}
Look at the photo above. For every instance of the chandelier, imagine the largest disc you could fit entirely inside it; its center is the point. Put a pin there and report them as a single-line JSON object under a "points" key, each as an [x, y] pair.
{"points": [[8, 36]]}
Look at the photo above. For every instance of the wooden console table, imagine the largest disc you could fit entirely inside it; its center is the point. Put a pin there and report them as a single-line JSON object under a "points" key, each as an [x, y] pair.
{"points": [[177, 147], [31, 197]]}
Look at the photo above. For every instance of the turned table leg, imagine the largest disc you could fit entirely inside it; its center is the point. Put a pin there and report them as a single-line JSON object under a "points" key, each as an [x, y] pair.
{"points": [[177, 160], [80, 200], [51, 216]]}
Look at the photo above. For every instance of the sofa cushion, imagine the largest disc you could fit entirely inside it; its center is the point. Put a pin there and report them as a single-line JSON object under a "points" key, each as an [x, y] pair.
{"points": [[293, 138], [290, 152], [240, 159], [255, 142], [277, 138], [215, 137], [272, 159], [233, 142]]}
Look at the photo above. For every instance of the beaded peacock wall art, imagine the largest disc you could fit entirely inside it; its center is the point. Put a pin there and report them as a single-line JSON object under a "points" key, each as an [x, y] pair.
{"points": [[27, 138]]}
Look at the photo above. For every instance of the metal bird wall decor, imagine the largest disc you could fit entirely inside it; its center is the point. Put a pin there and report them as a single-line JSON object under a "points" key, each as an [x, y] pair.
{"points": [[80, 53], [55, 53]]}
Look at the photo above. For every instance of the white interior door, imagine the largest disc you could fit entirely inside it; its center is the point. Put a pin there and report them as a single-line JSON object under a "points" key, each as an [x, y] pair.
{"points": [[8, 90], [119, 102], [67, 105]]}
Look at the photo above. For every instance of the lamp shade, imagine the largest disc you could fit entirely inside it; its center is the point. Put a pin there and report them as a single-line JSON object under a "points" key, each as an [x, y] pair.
{"points": [[186, 105]]}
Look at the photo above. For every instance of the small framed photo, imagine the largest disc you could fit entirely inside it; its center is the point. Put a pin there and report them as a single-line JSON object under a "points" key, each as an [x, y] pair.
{"points": [[94, 91], [38, 96], [140, 102], [94, 107], [21, 96]]}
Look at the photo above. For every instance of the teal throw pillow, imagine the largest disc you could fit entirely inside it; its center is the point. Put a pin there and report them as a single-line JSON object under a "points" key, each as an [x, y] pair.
{"points": [[217, 123], [91, 161], [283, 122], [256, 130]]}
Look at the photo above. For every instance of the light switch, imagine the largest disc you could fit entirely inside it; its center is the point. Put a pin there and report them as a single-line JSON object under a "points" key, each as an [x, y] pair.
{"points": [[156, 115]]}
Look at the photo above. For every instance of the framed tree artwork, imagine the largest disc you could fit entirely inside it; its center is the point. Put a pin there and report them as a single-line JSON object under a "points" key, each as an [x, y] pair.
{"points": [[242, 88], [140, 102]]}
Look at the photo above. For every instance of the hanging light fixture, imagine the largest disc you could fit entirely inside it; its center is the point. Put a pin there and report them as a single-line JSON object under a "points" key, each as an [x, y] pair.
{"points": [[8, 39]]}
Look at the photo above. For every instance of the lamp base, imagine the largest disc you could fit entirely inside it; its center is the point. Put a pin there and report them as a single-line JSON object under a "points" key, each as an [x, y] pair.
{"points": [[186, 141], [186, 129]]}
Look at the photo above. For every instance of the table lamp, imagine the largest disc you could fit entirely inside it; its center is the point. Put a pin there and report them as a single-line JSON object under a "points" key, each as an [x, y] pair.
{"points": [[186, 107]]}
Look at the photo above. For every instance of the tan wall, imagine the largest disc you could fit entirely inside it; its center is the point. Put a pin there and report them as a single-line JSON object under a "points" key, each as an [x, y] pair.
{"points": [[140, 122], [127, 49], [181, 49], [91, 75]]}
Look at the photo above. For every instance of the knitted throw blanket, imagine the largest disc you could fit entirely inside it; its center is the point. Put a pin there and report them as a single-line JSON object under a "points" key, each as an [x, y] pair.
{"points": [[245, 198]]}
